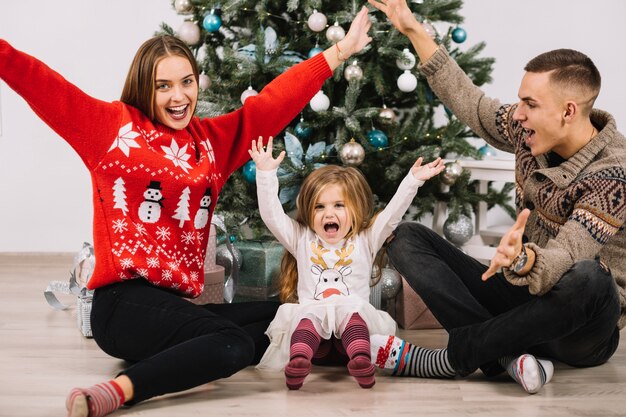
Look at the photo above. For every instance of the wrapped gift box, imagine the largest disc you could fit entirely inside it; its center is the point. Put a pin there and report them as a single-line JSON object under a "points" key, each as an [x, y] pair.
{"points": [[410, 311], [213, 292], [260, 269]]}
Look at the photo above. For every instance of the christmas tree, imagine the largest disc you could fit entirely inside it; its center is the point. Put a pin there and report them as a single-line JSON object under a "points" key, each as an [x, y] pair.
{"points": [[377, 112]]}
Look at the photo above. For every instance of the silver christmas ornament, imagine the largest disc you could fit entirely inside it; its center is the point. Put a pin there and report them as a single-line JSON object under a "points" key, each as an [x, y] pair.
{"points": [[386, 115], [335, 33], [390, 282], [224, 257], [353, 72], [451, 173], [183, 6], [460, 231], [352, 153]]}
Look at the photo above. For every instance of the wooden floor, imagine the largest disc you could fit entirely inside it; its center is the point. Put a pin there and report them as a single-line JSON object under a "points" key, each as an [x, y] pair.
{"points": [[43, 355]]}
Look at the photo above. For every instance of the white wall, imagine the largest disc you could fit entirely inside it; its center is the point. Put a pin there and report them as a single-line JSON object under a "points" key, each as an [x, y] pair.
{"points": [[45, 191], [516, 31], [45, 196]]}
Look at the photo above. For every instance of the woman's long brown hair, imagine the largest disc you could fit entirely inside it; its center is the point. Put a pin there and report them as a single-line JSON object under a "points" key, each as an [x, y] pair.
{"points": [[139, 88]]}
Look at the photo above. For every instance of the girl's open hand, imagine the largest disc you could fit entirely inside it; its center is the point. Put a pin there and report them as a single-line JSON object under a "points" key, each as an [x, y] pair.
{"points": [[262, 156], [426, 172]]}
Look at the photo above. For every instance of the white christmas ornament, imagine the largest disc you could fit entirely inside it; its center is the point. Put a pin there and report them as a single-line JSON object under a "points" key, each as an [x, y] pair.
{"points": [[353, 72], [189, 33], [317, 21], [407, 82], [183, 6], [408, 62], [249, 92], [335, 33], [320, 102], [204, 82]]}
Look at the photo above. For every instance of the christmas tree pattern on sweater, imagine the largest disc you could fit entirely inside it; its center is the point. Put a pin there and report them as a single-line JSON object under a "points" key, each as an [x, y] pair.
{"points": [[160, 193]]}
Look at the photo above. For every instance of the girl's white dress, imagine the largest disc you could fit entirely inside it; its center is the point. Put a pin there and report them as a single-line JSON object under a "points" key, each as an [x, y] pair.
{"points": [[333, 280]]}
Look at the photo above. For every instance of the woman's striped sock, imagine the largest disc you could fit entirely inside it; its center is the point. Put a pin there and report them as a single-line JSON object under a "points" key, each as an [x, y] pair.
{"points": [[95, 401]]}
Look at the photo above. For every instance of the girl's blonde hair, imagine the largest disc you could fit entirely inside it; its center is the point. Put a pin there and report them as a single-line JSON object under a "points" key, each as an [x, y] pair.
{"points": [[359, 202]]}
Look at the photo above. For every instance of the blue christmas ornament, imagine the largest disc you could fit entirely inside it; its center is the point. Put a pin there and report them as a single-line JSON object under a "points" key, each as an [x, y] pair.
{"points": [[377, 138], [459, 35], [315, 51], [249, 172], [212, 22], [487, 151], [302, 131]]}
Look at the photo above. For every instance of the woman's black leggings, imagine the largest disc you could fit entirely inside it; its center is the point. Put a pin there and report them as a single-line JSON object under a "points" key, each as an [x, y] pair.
{"points": [[173, 344]]}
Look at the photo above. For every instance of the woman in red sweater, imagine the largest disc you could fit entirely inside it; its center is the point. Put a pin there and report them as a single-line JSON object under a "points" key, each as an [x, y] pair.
{"points": [[152, 165]]}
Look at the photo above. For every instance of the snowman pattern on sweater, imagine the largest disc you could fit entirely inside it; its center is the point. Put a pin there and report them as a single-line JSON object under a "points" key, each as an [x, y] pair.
{"points": [[150, 209], [160, 194], [202, 215]]}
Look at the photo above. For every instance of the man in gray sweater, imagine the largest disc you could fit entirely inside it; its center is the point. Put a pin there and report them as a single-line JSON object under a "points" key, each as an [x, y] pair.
{"points": [[556, 286]]}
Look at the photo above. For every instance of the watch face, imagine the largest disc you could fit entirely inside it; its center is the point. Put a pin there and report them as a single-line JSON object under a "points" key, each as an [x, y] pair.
{"points": [[520, 261]]}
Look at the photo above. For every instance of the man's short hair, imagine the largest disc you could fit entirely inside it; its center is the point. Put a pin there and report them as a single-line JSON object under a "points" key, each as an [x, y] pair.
{"points": [[571, 69]]}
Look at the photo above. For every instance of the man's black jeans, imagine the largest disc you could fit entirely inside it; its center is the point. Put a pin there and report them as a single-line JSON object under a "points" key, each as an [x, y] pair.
{"points": [[575, 322]]}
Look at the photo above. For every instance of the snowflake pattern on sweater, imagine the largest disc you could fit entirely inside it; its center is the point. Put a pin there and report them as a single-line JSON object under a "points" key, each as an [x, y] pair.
{"points": [[153, 185]]}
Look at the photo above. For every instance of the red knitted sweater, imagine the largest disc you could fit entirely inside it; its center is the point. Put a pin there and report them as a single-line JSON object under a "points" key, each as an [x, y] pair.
{"points": [[154, 188]]}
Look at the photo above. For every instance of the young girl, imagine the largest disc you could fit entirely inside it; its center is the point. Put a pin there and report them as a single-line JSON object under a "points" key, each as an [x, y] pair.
{"points": [[145, 154], [326, 271]]}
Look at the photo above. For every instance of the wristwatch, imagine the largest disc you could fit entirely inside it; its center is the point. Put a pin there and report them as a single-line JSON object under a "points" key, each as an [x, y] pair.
{"points": [[520, 261]]}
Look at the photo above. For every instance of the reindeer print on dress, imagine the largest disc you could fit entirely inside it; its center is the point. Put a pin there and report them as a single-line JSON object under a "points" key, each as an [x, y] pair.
{"points": [[331, 280]]}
